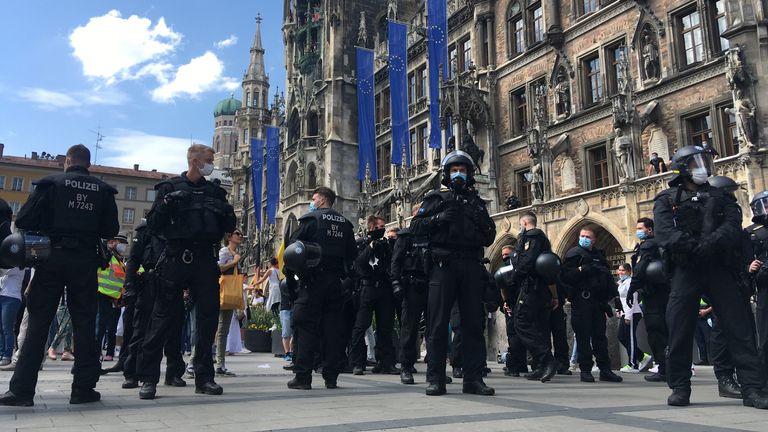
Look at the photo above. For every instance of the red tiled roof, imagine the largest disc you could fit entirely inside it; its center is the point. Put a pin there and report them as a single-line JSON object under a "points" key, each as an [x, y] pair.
{"points": [[94, 169]]}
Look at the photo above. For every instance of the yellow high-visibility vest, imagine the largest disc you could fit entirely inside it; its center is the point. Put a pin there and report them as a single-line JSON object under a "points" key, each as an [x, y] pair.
{"points": [[111, 279]]}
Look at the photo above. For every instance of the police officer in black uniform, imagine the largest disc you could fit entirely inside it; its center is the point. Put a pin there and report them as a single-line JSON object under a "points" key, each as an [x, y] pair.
{"points": [[376, 297], [458, 226], [591, 287], [192, 214], [516, 362], [139, 299], [758, 267], [697, 224], [409, 283], [75, 210], [653, 291], [537, 297], [317, 312]]}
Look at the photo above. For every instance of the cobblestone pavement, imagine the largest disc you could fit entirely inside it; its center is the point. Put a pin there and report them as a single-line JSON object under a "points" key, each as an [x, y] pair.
{"points": [[258, 400]]}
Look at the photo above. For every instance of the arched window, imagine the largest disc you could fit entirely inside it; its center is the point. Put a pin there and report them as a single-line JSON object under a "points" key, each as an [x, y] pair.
{"points": [[217, 144], [294, 127], [312, 124], [290, 180], [247, 99], [311, 176], [525, 26]]}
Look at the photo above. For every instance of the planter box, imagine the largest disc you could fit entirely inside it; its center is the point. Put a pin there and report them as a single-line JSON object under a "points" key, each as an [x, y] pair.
{"points": [[257, 341], [277, 343]]}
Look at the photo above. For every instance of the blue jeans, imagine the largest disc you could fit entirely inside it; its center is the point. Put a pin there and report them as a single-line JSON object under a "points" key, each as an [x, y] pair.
{"points": [[9, 308]]}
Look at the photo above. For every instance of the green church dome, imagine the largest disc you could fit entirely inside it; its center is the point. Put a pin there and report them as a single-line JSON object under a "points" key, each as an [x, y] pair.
{"points": [[227, 107]]}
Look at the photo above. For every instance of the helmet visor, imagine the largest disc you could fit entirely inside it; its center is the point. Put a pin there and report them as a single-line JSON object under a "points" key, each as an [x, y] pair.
{"points": [[760, 207], [701, 162]]}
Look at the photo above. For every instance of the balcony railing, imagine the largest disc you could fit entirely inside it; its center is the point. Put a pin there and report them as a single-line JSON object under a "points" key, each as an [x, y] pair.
{"points": [[417, 107], [384, 126]]}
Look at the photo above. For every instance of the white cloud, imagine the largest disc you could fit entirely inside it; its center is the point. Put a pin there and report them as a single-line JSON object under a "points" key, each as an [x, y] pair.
{"points": [[125, 147], [111, 47], [52, 99], [201, 74], [231, 40]]}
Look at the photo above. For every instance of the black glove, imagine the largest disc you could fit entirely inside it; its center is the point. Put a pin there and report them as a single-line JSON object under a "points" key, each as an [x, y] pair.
{"points": [[606, 308], [398, 290], [706, 249], [177, 196], [449, 215], [631, 296], [129, 296]]}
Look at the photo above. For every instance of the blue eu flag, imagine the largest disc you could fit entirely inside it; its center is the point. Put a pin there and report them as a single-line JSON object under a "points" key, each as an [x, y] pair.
{"points": [[437, 50], [257, 166], [398, 85], [366, 126], [273, 172]]}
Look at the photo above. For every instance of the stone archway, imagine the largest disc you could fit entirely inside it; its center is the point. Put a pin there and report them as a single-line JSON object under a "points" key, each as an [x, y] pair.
{"points": [[494, 251], [569, 235]]}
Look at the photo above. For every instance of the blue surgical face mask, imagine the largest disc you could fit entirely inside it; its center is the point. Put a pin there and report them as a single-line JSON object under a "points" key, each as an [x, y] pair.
{"points": [[623, 277], [457, 175], [641, 234], [312, 206], [585, 242]]}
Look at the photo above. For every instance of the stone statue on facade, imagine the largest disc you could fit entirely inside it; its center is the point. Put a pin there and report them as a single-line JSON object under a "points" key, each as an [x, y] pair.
{"points": [[744, 111], [468, 146], [651, 69], [537, 180], [622, 147], [562, 94], [736, 73], [451, 146]]}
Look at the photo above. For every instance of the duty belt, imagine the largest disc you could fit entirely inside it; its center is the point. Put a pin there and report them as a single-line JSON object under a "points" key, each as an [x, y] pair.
{"points": [[440, 254]]}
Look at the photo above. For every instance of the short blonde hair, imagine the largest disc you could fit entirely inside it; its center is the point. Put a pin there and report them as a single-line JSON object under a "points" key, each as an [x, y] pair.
{"points": [[196, 150]]}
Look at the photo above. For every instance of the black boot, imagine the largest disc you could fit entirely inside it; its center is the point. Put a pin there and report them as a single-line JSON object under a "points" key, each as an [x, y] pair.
{"points": [[406, 377], [656, 377], [535, 375], [549, 371], [118, 367], [130, 383], [680, 396], [435, 390], [728, 387], [458, 372], [478, 388], [148, 391], [295, 384], [331, 384], [586, 376], [175, 382], [388, 370], [608, 375], [81, 396], [357, 370], [209, 388], [755, 399], [10, 398]]}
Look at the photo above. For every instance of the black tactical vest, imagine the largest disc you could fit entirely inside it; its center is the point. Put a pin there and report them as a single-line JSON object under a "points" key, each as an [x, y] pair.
{"points": [[464, 234], [79, 203], [416, 254], [332, 232], [203, 217]]}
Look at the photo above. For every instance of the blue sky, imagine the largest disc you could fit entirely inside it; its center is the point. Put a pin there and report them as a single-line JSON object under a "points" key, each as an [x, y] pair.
{"points": [[149, 73]]}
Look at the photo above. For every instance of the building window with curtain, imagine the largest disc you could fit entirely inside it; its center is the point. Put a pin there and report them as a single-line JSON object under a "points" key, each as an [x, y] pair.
{"points": [[515, 29], [719, 24], [587, 6], [699, 129], [613, 61], [523, 187]]}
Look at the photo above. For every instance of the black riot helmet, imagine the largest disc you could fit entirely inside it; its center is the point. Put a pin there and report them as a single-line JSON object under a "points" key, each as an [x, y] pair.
{"points": [[655, 273], [505, 275], [458, 157], [759, 206], [548, 266], [301, 256], [725, 183], [692, 162], [24, 250]]}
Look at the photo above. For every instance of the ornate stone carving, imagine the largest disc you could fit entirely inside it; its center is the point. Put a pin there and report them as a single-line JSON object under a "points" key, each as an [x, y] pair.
{"points": [[582, 207], [362, 32], [736, 73], [744, 111], [537, 180], [468, 145], [622, 149], [567, 174], [562, 92], [651, 70]]}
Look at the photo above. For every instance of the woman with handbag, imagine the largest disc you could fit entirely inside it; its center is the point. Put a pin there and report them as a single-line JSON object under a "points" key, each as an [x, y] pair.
{"points": [[231, 286]]}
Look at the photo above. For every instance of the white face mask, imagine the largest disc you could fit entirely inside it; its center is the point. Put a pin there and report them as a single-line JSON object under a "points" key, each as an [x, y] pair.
{"points": [[207, 169], [121, 249], [699, 176]]}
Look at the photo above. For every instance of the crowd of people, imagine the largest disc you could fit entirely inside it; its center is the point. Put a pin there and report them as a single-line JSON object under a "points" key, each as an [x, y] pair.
{"points": [[430, 278]]}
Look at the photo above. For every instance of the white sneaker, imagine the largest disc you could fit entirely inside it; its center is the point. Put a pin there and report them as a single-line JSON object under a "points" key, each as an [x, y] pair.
{"points": [[628, 369], [574, 367], [645, 362], [693, 371], [654, 369], [595, 369]]}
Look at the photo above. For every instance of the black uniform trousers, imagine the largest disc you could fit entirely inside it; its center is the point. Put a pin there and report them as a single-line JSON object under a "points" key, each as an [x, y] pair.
{"points": [[136, 319], [654, 316], [76, 269], [455, 279], [517, 359], [720, 287], [201, 276], [718, 350], [761, 314], [413, 306], [532, 323], [375, 299], [351, 306], [588, 322], [318, 322], [559, 330]]}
